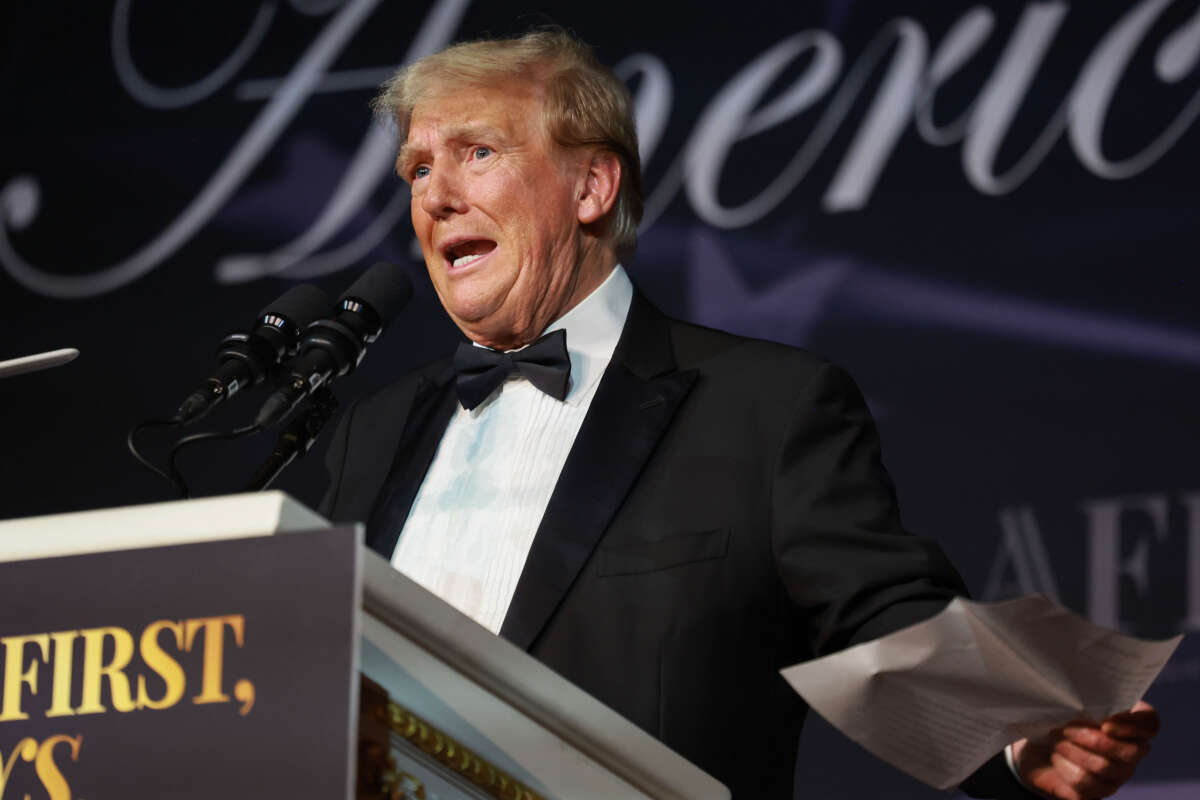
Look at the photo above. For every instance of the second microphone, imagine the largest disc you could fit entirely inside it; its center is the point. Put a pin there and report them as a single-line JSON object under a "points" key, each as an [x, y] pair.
{"points": [[331, 348]]}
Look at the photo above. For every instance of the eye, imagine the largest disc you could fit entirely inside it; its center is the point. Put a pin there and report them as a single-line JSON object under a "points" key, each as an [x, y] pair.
{"points": [[481, 153], [420, 171]]}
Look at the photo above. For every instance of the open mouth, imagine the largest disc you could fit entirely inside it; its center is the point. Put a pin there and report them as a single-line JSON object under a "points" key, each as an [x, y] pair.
{"points": [[468, 251]]}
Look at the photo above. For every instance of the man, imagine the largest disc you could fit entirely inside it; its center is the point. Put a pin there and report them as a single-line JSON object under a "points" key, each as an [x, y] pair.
{"points": [[664, 514]]}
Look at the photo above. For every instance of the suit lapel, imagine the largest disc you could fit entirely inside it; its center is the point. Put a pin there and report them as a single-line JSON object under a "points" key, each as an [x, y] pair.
{"points": [[638, 396], [433, 404]]}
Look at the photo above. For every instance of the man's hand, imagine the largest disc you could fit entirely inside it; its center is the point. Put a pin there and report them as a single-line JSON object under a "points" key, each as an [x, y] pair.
{"points": [[1082, 760]]}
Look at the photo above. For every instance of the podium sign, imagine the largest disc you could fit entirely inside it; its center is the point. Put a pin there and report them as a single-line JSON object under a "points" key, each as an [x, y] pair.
{"points": [[213, 669], [174, 650]]}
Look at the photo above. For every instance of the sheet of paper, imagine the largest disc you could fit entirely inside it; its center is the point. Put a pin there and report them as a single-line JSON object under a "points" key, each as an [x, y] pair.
{"points": [[938, 699]]}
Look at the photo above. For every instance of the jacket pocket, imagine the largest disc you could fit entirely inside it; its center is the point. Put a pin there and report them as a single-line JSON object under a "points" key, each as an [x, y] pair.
{"points": [[671, 550]]}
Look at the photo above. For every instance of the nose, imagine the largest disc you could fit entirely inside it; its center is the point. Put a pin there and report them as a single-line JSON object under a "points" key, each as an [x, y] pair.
{"points": [[443, 193]]}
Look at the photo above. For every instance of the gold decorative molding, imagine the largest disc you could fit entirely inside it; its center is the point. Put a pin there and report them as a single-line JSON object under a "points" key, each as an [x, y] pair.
{"points": [[378, 774]]}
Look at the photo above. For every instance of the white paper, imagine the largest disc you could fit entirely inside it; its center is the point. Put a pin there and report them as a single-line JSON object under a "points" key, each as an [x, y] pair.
{"points": [[938, 699]]}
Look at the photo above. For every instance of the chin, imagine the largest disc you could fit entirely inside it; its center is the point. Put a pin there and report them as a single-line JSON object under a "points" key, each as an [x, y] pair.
{"points": [[495, 333], [473, 323], [475, 315]]}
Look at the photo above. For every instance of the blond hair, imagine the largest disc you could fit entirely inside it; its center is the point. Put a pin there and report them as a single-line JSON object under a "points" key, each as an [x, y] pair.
{"points": [[585, 104]]}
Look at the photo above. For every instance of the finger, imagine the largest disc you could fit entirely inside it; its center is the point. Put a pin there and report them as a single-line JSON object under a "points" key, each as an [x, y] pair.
{"points": [[1048, 738], [1082, 782], [1126, 751], [1129, 732], [1141, 722], [1109, 769], [1063, 792]]}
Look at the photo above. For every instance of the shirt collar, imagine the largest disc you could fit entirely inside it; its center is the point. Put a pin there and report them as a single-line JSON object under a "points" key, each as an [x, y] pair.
{"points": [[593, 328]]}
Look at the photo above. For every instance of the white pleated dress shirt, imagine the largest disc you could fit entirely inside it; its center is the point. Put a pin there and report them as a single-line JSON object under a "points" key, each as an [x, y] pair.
{"points": [[473, 520]]}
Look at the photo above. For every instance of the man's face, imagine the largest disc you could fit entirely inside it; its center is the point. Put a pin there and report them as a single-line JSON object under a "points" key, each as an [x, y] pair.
{"points": [[495, 205]]}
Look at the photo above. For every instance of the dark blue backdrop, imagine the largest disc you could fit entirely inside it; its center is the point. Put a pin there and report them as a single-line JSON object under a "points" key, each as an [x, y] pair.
{"points": [[986, 213]]}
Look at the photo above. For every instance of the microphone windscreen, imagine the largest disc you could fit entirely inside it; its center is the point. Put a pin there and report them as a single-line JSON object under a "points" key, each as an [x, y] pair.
{"points": [[300, 305], [385, 287]]}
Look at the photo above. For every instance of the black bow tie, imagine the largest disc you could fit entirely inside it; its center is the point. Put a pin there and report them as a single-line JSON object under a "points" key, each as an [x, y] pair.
{"points": [[544, 364]]}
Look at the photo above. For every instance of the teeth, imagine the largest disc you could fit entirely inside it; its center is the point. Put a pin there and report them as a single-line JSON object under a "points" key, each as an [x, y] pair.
{"points": [[462, 261]]}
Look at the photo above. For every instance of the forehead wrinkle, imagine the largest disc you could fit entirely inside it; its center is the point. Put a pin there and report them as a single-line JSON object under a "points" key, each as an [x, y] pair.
{"points": [[471, 132]]}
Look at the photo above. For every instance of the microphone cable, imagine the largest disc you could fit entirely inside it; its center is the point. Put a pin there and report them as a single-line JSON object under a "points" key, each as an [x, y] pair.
{"points": [[206, 436], [176, 481]]}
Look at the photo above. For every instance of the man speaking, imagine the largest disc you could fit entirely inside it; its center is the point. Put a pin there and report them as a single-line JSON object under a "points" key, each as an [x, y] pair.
{"points": [[664, 514]]}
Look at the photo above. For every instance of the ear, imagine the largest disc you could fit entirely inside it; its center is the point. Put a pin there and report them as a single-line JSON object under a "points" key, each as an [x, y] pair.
{"points": [[600, 186]]}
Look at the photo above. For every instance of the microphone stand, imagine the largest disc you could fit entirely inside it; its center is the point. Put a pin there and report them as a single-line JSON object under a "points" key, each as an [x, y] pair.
{"points": [[297, 438]]}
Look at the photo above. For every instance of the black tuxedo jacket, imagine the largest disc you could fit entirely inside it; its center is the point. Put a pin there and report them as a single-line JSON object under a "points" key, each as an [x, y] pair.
{"points": [[723, 513]]}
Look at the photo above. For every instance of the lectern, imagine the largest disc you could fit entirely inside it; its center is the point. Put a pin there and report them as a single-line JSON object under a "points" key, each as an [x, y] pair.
{"points": [[183, 650]]}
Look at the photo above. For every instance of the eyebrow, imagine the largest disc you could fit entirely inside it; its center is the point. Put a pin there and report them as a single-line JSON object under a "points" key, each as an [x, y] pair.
{"points": [[404, 159], [452, 133]]}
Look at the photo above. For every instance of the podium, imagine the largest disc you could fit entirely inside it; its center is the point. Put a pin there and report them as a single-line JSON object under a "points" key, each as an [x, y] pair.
{"points": [[185, 650]]}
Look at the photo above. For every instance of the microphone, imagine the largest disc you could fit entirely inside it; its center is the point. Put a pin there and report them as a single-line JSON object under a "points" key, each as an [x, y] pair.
{"points": [[246, 359], [332, 348]]}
